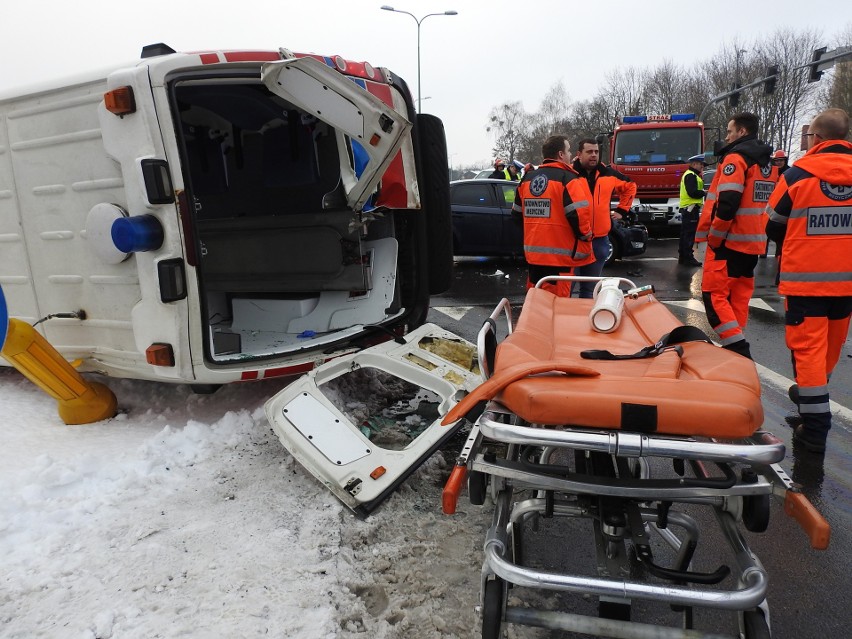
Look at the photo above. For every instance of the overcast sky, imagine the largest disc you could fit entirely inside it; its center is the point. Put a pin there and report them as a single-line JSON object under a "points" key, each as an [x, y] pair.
{"points": [[490, 53]]}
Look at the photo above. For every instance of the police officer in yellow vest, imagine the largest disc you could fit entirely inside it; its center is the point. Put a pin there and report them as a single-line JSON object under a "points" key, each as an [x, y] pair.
{"points": [[691, 198]]}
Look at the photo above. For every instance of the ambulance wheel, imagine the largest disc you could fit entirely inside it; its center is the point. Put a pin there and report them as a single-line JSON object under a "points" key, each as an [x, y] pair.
{"points": [[756, 513], [492, 609], [755, 625], [435, 198], [477, 487], [204, 389]]}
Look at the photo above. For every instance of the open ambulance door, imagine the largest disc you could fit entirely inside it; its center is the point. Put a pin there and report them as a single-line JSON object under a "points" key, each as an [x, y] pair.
{"points": [[362, 423], [365, 125]]}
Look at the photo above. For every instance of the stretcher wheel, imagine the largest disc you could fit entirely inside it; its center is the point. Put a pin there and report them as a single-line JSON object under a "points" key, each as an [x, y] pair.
{"points": [[492, 609], [756, 513], [477, 487], [755, 625]]}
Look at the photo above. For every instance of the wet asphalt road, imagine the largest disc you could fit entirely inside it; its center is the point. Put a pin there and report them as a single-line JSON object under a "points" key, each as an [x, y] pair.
{"points": [[808, 591]]}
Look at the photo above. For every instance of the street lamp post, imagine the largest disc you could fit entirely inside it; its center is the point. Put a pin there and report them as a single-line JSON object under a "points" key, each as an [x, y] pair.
{"points": [[419, 21]]}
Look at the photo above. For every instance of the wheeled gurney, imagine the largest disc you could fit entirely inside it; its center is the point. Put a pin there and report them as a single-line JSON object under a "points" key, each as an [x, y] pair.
{"points": [[643, 431]]}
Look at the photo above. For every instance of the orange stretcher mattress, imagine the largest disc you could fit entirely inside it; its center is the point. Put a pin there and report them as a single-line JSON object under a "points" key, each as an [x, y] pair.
{"points": [[708, 391]]}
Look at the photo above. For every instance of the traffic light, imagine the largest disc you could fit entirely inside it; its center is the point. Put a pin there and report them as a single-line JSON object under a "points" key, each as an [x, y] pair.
{"points": [[770, 80], [734, 98], [814, 74]]}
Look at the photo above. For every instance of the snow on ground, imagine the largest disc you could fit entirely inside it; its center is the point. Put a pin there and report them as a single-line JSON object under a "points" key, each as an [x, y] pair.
{"points": [[184, 516]]}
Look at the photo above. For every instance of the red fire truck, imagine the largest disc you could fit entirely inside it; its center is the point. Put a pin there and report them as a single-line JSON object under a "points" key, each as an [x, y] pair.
{"points": [[653, 151]]}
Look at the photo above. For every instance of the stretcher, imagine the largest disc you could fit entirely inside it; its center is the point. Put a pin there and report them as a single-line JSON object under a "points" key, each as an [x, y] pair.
{"points": [[638, 431]]}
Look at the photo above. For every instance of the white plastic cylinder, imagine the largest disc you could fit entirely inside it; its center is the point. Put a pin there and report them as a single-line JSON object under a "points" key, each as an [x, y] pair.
{"points": [[609, 303]]}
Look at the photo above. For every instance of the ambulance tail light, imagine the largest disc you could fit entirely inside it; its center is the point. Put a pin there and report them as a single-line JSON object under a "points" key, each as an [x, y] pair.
{"points": [[120, 101], [172, 277], [159, 354], [158, 181]]}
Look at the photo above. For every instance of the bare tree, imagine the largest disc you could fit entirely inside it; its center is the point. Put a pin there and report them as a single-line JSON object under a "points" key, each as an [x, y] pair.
{"points": [[509, 124], [623, 92], [666, 88], [794, 97], [669, 88], [551, 118], [837, 92]]}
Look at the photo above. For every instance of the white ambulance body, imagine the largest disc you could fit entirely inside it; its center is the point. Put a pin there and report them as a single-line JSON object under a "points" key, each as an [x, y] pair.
{"points": [[212, 217]]}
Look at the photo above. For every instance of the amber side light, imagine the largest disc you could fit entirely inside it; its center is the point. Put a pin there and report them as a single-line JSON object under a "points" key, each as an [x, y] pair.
{"points": [[160, 355], [120, 101]]}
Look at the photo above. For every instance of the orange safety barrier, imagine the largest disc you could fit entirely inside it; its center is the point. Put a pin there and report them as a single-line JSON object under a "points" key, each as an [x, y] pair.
{"points": [[79, 401]]}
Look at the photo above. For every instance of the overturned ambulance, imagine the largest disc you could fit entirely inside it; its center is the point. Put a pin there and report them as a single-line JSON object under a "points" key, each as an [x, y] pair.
{"points": [[211, 217]]}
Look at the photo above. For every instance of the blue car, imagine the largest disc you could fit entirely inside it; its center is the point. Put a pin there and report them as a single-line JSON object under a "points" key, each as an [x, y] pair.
{"points": [[483, 223]]}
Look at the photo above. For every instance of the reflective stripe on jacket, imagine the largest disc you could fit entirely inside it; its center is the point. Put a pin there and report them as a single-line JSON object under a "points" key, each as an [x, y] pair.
{"points": [[707, 212], [742, 229], [813, 205], [556, 208]]}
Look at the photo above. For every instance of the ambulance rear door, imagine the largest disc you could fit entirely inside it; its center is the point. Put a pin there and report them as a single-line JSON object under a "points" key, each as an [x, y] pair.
{"points": [[362, 423], [369, 132]]}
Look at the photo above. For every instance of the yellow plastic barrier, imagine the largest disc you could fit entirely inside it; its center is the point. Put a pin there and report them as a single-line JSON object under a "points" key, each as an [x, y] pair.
{"points": [[80, 401]]}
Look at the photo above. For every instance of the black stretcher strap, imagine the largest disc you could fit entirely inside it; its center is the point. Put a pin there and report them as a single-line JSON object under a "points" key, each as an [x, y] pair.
{"points": [[667, 342]]}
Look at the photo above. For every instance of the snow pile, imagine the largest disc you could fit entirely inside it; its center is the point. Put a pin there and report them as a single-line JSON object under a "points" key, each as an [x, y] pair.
{"points": [[184, 516]]}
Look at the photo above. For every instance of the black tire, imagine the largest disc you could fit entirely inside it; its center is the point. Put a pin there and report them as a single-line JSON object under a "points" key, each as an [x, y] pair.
{"points": [[615, 249], [204, 389], [435, 198], [755, 625], [477, 487], [756, 513], [492, 609]]}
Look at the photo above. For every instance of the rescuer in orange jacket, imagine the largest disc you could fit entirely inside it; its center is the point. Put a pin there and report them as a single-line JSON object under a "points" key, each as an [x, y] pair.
{"points": [[735, 222], [555, 206], [603, 182], [811, 212]]}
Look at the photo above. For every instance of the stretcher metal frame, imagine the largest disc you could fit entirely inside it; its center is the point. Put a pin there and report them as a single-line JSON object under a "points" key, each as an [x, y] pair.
{"points": [[525, 483]]}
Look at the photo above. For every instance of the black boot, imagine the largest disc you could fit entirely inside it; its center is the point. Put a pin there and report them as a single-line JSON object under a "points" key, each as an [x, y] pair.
{"points": [[793, 394], [812, 441], [688, 261]]}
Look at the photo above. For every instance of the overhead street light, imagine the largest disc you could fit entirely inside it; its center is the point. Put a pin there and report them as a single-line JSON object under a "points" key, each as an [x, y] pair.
{"points": [[419, 21]]}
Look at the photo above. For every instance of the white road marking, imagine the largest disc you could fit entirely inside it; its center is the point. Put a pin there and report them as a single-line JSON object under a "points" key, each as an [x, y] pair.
{"points": [[756, 302], [691, 304], [649, 259], [455, 312], [698, 305]]}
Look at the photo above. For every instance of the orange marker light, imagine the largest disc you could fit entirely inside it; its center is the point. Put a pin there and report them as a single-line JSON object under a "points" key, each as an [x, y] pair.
{"points": [[378, 471], [160, 355], [120, 101]]}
